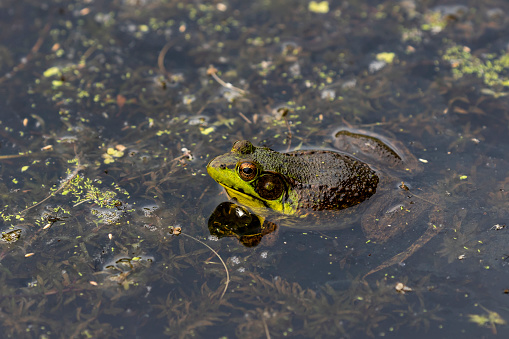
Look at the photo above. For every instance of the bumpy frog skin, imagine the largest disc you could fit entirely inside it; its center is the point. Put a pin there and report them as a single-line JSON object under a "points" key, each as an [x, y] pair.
{"points": [[293, 183]]}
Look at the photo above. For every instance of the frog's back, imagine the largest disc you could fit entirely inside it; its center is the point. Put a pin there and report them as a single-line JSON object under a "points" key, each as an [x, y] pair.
{"points": [[324, 180]]}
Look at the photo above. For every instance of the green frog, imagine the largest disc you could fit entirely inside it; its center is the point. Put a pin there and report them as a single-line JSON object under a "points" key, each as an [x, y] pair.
{"points": [[329, 187]]}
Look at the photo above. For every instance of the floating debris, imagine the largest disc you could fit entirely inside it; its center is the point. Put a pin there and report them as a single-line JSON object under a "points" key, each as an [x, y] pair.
{"points": [[376, 65], [11, 236], [402, 288], [497, 227], [175, 230], [328, 94]]}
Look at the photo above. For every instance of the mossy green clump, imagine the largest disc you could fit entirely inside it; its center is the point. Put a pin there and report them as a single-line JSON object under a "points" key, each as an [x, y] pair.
{"points": [[491, 68], [81, 190], [84, 190]]}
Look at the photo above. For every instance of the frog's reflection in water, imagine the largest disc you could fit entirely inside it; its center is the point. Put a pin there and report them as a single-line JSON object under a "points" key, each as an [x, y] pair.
{"points": [[232, 220]]}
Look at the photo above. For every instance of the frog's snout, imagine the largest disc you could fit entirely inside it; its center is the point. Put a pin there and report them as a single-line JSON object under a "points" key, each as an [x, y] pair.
{"points": [[216, 164], [222, 163], [212, 166]]}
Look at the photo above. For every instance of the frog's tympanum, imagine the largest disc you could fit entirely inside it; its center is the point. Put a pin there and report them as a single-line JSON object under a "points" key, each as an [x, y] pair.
{"points": [[333, 188]]}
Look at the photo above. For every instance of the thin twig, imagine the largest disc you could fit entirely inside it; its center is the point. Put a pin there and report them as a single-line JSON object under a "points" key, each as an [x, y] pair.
{"points": [[217, 254], [30, 54], [62, 186], [212, 71], [162, 54], [423, 199], [245, 118], [88, 52], [13, 156], [81, 202], [266, 328]]}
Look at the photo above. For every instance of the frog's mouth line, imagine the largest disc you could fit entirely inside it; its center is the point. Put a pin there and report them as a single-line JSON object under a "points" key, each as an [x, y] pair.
{"points": [[241, 192]]}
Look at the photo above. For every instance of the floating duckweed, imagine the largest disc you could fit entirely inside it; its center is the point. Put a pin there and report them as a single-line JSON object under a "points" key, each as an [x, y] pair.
{"points": [[57, 83], [51, 72], [386, 57], [321, 7], [207, 131], [112, 153], [491, 69]]}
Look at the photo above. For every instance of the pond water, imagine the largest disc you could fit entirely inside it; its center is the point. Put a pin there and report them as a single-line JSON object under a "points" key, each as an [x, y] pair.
{"points": [[111, 110]]}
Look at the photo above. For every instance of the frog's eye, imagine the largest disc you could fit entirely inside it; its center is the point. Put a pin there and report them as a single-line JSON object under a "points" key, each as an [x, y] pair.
{"points": [[247, 171], [270, 186]]}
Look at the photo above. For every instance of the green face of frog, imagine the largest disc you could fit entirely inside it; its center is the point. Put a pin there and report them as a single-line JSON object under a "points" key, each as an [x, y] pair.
{"points": [[249, 175]]}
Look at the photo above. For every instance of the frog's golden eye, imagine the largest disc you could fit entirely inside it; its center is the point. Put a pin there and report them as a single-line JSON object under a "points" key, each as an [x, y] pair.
{"points": [[247, 171]]}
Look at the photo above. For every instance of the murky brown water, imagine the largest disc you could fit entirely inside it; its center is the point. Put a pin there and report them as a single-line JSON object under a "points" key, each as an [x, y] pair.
{"points": [[110, 112]]}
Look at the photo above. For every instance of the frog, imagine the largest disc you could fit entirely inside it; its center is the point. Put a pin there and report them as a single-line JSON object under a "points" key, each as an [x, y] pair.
{"points": [[361, 178]]}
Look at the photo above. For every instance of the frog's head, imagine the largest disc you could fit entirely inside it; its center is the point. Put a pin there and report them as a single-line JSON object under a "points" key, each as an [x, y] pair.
{"points": [[241, 172]]}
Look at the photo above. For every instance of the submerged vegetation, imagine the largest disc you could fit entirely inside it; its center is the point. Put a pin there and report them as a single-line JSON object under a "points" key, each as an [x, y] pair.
{"points": [[492, 69], [110, 112]]}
